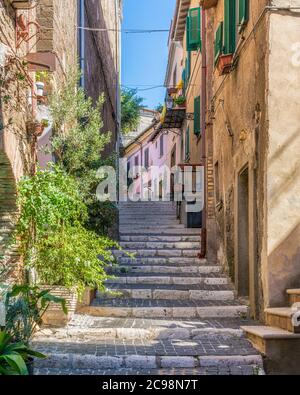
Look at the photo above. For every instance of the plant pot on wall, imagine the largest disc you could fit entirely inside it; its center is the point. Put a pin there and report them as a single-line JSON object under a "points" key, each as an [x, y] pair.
{"points": [[225, 64], [55, 316]]}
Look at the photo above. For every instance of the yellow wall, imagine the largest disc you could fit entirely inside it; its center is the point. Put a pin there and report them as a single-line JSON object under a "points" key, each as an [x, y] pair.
{"points": [[193, 90]]}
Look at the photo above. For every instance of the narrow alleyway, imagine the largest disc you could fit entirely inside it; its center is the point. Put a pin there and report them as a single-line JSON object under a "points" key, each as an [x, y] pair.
{"points": [[174, 313]]}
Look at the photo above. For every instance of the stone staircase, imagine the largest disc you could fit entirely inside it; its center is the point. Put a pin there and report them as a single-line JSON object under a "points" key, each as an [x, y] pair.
{"points": [[165, 312], [279, 339]]}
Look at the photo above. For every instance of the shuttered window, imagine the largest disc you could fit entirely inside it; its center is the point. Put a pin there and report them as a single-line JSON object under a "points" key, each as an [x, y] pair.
{"points": [[184, 80], [188, 67], [219, 42], [229, 26], [197, 116], [193, 29], [187, 144], [243, 13]]}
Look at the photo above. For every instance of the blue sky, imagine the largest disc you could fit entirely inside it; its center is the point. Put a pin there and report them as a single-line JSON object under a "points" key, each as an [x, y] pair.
{"points": [[144, 56]]}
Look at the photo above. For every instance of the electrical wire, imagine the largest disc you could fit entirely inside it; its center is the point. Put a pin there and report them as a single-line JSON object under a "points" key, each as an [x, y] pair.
{"points": [[126, 31]]}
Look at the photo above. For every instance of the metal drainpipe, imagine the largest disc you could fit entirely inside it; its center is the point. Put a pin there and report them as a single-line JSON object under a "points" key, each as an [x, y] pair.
{"points": [[203, 251], [81, 41]]}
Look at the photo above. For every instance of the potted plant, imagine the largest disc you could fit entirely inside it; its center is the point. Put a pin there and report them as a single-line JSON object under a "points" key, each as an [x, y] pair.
{"points": [[63, 254], [25, 307], [15, 358], [180, 101]]}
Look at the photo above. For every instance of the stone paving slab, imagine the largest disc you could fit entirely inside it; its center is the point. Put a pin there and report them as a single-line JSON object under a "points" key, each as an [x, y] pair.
{"points": [[86, 321], [211, 345]]}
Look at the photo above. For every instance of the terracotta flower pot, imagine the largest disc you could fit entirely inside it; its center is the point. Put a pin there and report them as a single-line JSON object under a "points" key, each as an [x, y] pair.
{"points": [[55, 315], [225, 64]]}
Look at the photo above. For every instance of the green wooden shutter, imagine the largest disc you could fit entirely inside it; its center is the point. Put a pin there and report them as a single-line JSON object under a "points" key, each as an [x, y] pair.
{"points": [[193, 25], [218, 42], [197, 116], [187, 144], [229, 26], [184, 80], [243, 12], [188, 66]]}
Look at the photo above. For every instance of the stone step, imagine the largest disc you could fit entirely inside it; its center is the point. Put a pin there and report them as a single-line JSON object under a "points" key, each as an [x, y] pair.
{"points": [[281, 348], [142, 215], [147, 308], [161, 238], [165, 261], [151, 228], [224, 370], [158, 245], [75, 361], [282, 317], [151, 224], [294, 296], [169, 280], [164, 253], [168, 292], [158, 231], [163, 270], [162, 330]]}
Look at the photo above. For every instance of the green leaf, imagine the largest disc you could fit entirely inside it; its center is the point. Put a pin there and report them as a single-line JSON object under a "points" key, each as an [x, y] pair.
{"points": [[16, 362]]}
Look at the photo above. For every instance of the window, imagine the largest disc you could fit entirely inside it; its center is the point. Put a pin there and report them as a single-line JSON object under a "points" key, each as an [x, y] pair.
{"points": [[188, 67], [136, 161], [146, 160], [193, 29], [229, 27], [187, 144], [161, 146], [175, 77], [197, 116], [184, 80]]}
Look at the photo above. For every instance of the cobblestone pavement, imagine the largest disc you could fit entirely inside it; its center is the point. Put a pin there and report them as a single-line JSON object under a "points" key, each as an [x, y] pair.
{"points": [[152, 343]]}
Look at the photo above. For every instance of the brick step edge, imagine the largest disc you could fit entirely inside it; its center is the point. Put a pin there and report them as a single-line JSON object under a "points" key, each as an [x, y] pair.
{"points": [[78, 361]]}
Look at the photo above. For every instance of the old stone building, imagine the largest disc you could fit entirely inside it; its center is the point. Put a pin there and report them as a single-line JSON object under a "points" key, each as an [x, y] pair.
{"points": [[40, 42], [100, 54], [252, 118]]}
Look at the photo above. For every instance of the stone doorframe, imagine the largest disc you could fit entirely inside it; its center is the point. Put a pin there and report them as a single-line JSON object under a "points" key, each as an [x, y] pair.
{"points": [[252, 234]]}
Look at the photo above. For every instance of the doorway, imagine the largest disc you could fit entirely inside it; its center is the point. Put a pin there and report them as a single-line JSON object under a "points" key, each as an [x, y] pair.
{"points": [[243, 272]]}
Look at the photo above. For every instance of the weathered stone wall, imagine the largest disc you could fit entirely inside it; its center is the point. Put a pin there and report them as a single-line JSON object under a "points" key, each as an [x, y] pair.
{"points": [[102, 59], [239, 126], [58, 20], [281, 250], [16, 108]]}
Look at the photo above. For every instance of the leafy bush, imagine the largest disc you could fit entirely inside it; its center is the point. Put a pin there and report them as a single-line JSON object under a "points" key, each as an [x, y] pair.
{"points": [[74, 258], [47, 201], [78, 144], [131, 105], [52, 236]]}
